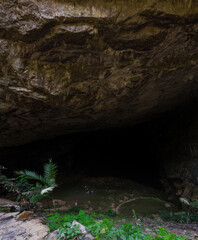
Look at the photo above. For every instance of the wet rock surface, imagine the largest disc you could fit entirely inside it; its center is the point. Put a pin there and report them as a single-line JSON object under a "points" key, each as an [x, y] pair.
{"points": [[73, 66]]}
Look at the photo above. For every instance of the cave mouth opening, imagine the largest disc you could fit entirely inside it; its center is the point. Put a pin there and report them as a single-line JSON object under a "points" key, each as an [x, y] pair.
{"points": [[126, 153], [136, 153]]}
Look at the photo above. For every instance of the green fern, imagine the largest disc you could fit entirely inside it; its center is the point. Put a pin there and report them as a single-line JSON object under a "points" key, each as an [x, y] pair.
{"points": [[50, 171], [31, 175], [44, 184], [30, 185], [48, 178]]}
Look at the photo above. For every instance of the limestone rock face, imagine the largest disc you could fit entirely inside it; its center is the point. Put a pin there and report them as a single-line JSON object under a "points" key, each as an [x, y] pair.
{"points": [[68, 66]]}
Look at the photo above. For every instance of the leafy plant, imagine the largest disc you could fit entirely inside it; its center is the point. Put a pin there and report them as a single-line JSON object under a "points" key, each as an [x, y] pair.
{"points": [[179, 217], [56, 221], [105, 229], [43, 184], [69, 232], [29, 186], [192, 207], [111, 213], [101, 230], [11, 185], [162, 234]]}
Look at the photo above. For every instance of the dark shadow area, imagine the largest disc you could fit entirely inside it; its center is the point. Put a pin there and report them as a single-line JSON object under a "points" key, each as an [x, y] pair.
{"points": [[128, 152], [125, 153], [134, 153]]}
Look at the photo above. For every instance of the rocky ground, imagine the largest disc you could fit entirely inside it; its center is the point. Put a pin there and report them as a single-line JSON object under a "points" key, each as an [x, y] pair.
{"points": [[122, 197], [180, 229], [28, 227], [13, 228]]}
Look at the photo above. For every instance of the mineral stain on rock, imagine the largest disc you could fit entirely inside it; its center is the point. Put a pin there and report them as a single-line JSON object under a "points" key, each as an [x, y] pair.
{"points": [[70, 66]]}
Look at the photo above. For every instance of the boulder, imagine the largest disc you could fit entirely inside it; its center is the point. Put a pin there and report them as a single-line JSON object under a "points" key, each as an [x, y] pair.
{"points": [[83, 229]]}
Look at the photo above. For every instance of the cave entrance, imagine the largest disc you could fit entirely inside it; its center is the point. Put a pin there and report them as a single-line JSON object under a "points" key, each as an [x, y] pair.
{"points": [[130, 153], [127, 153], [136, 154]]}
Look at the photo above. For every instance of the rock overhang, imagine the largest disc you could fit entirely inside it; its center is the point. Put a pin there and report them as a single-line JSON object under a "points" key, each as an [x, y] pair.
{"points": [[71, 66]]}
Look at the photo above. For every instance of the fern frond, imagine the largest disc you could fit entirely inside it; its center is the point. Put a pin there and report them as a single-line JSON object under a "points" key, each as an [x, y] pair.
{"points": [[32, 175], [11, 186], [184, 201], [50, 170], [47, 190], [43, 185]]}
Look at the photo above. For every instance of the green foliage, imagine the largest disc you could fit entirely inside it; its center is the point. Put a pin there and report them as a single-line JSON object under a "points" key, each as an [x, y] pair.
{"points": [[69, 232], [23, 184], [192, 205], [47, 179], [105, 229], [2, 209], [56, 221], [12, 185], [50, 172], [43, 184], [162, 234], [179, 217], [101, 229], [31, 186], [111, 213]]}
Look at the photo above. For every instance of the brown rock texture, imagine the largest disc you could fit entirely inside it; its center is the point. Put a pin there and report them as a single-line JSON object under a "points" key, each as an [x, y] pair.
{"points": [[25, 215], [69, 66]]}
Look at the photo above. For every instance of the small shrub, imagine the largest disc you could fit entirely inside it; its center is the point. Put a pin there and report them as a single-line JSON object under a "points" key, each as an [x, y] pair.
{"points": [[111, 213]]}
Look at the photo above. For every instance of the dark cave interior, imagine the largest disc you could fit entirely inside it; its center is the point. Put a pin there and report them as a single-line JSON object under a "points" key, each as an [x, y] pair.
{"points": [[128, 153], [134, 153], [125, 153]]}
